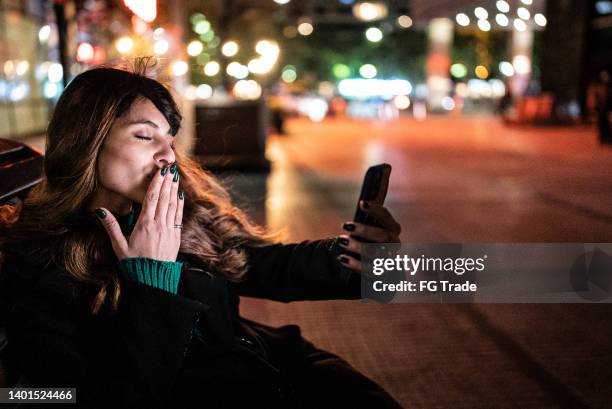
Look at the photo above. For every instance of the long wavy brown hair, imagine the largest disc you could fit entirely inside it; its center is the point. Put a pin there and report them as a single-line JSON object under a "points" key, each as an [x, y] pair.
{"points": [[56, 211]]}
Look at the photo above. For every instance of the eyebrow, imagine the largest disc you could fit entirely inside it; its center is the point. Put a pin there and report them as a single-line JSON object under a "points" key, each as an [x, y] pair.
{"points": [[146, 122]]}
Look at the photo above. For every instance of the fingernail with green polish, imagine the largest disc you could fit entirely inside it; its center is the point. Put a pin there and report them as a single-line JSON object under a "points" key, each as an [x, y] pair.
{"points": [[101, 213], [164, 170], [173, 168], [181, 194], [176, 177]]}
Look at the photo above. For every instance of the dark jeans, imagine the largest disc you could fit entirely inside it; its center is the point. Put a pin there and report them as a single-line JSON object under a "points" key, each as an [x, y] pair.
{"points": [[328, 381], [323, 380]]}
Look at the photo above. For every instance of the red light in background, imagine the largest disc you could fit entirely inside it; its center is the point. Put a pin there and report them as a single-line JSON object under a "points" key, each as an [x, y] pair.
{"points": [[99, 55]]}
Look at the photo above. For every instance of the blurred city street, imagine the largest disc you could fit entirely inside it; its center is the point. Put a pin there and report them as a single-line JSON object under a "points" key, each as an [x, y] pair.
{"points": [[453, 180], [495, 115]]}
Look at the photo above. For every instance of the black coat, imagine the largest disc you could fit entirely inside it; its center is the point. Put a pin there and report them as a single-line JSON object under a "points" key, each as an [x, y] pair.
{"points": [[186, 350]]}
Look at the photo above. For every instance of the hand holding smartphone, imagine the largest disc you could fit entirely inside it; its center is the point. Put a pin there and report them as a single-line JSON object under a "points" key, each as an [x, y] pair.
{"points": [[374, 190], [373, 223]]}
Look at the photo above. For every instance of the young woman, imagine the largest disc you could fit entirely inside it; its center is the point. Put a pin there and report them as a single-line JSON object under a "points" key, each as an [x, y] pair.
{"points": [[122, 271]]}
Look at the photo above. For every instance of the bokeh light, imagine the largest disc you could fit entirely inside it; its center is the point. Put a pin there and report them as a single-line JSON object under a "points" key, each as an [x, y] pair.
{"points": [[502, 19], [229, 49], [179, 68], [195, 48], [462, 19], [202, 27], [374, 34], [289, 74], [458, 70], [540, 19], [506, 68], [404, 21], [523, 13], [204, 91], [401, 102], [484, 25], [124, 45], [368, 71], [481, 13], [481, 72], [519, 25], [211, 68], [305, 29], [502, 6], [161, 47], [247, 90], [341, 71]]}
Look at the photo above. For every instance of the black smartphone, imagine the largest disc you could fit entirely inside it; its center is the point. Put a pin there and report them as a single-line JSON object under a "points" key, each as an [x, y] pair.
{"points": [[374, 189]]}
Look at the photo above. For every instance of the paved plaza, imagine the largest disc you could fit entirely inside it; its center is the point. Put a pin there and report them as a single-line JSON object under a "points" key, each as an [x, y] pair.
{"points": [[454, 180]]}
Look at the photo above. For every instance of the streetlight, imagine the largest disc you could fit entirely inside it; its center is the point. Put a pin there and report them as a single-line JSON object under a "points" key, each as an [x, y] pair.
{"points": [[484, 25], [370, 11], [540, 19], [523, 13], [502, 20], [519, 24], [481, 13], [462, 19], [503, 6]]}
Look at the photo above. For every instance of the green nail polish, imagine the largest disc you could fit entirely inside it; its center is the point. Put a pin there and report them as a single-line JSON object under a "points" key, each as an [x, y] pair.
{"points": [[173, 168], [164, 170], [176, 177], [181, 194], [101, 213]]}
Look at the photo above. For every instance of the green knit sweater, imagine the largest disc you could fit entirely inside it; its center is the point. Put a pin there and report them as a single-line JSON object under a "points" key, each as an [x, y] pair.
{"points": [[164, 275]]}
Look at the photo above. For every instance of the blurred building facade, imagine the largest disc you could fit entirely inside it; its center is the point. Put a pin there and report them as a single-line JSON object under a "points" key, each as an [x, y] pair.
{"points": [[45, 43], [441, 56], [28, 51]]}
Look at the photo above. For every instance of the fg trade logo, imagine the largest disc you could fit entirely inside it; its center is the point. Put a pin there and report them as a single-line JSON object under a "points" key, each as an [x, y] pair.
{"points": [[591, 275]]}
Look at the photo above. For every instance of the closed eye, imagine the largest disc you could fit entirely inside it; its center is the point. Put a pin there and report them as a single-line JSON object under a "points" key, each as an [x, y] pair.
{"points": [[146, 138]]}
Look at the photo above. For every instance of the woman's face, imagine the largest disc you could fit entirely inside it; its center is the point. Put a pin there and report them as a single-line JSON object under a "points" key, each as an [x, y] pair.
{"points": [[139, 144]]}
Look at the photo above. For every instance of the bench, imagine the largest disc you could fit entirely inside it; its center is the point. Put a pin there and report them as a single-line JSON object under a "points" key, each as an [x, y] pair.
{"points": [[20, 170]]}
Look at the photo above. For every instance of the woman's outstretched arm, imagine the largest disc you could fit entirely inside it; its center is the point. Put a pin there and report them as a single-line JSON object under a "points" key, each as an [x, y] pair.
{"points": [[319, 269], [308, 270]]}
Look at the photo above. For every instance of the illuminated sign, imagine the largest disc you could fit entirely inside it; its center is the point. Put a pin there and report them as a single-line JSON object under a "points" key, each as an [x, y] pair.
{"points": [[364, 88]]}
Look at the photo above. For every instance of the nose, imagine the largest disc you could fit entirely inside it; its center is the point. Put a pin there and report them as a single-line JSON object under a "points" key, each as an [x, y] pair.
{"points": [[164, 156]]}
